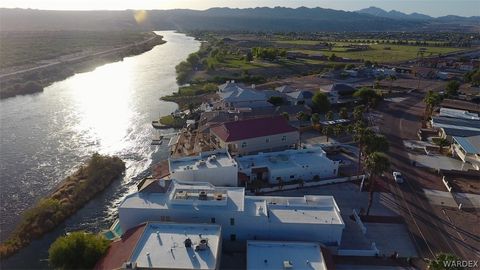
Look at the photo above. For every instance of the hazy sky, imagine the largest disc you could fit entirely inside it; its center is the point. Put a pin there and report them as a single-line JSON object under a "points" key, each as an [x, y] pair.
{"points": [[430, 7]]}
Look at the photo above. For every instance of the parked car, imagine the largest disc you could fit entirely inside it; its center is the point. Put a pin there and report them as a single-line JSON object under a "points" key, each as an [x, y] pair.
{"points": [[398, 177]]}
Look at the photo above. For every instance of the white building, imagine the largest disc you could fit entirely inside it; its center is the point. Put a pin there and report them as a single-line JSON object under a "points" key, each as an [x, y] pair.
{"points": [[155, 245], [339, 93], [289, 165], [284, 255], [467, 149], [454, 113], [216, 167], [233, 95], [307, 218]]}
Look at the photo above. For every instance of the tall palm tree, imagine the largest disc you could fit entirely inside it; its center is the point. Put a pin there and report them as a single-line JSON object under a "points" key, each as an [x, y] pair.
{"points": [[361, 135], [431, 100], [376, 163], [327, 131]]}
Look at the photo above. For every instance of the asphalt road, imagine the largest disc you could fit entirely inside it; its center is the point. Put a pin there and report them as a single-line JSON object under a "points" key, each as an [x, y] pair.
{"points": [[431, 230]]}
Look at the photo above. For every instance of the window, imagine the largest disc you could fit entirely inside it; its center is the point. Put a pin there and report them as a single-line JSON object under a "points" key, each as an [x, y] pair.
{"points": [[244, 144], [284, 138], [232, 221], [292, 176], [212, 220], [267, 140], [233, 237], [164, 218]]}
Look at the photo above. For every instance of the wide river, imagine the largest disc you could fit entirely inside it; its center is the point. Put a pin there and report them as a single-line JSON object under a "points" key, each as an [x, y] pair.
{"points": [[45, 136]]}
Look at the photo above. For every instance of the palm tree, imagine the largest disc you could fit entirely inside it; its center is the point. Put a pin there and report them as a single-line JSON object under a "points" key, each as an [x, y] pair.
{"points": [[431, 100], [376, 163], [315, 119], [337, 130], [327, 131], [344, 113], [361, 135], [286, 116], [391, 78], [358, 112], [329, 115]]}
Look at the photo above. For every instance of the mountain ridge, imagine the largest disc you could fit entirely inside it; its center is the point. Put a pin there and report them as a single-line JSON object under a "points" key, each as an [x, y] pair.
{"points": [[280, 19]]}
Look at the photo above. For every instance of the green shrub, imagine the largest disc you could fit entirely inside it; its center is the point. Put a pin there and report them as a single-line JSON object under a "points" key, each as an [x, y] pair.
{"points": [[77, 250]]}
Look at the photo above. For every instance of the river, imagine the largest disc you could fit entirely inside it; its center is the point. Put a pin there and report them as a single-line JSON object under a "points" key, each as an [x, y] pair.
{"points": [[46, 136]]}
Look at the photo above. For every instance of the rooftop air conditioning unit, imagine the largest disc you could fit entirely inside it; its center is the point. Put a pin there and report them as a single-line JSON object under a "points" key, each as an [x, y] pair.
{"points": [[212, 158], [218, 196], [203, 245], [201, 162], [188, 243]]}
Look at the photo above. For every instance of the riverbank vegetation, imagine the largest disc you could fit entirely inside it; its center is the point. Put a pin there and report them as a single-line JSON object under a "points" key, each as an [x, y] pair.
{"points": [[77, 250], [74, 192], [41, 58]]}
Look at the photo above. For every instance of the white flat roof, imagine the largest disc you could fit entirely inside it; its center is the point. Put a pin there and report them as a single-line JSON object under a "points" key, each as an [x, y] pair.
{"points": [[302, 158], [162, 246], [274, 255], [205, 160], [232, 197]]}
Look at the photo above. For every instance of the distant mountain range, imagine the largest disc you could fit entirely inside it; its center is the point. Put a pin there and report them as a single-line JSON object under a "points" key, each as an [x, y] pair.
{"points": [[393, 14], [251, 19]]}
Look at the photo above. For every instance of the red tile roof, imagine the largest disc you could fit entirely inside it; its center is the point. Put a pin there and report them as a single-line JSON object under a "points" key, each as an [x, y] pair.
{"points": [[120, 250], [252, 128]]}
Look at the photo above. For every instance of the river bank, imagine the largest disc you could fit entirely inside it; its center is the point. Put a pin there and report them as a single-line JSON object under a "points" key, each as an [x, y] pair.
{"points": [[34, 80], [72, 194]]}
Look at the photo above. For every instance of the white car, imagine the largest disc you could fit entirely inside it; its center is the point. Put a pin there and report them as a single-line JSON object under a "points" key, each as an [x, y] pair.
{"points": [[398, 177]]}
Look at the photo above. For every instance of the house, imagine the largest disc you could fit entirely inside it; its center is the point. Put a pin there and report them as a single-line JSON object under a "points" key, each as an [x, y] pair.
{"points": [[217, 167], [214, 118], [467, 149], [308, 218], [159, 245], [339, 93], [300, 97], [256, 135], [232, 95], [454, 113], [459, 127], [460, 105], [277, 167], [285, 89], [351, 72], [284, 255]]}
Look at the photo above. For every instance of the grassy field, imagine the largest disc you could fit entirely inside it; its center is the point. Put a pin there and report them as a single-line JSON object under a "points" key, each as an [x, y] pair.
{"points": [[21, 48], [378, 52]]}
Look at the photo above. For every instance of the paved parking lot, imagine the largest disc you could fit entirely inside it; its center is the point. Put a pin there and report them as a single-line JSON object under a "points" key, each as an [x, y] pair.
{"points": [[389, 237]]}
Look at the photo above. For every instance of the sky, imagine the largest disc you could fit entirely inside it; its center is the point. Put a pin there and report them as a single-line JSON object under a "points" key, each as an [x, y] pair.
{"points": [[430, 7]]}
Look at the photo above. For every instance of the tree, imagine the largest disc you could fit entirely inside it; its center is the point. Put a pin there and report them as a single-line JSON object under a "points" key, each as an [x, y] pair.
{"points": [[344, 113], [358, 112], [329, 115], [368, 96], [376, 163], [376, 143], [442, 142], [452, 88], [315, 119], [77, 250], [332, 57], [431, 100], [249, 57], [368, 63], [286, 116], [338, 130], [391, 78], [327, 131], [320, 102], [443, 261]]}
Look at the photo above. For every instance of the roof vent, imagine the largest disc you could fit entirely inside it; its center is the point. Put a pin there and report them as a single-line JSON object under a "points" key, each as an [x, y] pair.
{"points": [[287, 265], [202, 162], [202, 195], [129, 265]]}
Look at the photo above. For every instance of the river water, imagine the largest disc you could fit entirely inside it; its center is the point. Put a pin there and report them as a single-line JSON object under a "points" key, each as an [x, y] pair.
{"points": [[45, 136]]}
